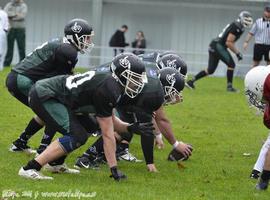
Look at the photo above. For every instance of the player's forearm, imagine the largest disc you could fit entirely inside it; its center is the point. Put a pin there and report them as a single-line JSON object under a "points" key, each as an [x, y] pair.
{"points": [[165, 127], [231, 46], [109, 146]]}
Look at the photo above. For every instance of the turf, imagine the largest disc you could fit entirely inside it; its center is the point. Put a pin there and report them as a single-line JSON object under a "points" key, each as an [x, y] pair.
{"points": [[219, 125]]}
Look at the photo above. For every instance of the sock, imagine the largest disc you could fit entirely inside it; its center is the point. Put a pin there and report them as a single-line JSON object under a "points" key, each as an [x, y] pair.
{"points": [[58, 161], [30, 130], [229, 77], [121, 147], [95, 149], [32, 164], [200, 75], [265, 175], [260, 160], [46, 139]]}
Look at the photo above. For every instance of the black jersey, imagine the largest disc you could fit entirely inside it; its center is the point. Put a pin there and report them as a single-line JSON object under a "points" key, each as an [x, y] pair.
{"points": [[98, 89], [52, 58], [235, 28]]}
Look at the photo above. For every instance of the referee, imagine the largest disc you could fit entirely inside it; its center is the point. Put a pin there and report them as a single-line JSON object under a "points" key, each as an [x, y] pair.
{"points": [[261, 31]]}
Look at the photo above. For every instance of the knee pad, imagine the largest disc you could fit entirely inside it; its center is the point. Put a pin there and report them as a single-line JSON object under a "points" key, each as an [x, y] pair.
{"points": [[126, 136], [70, 143]]}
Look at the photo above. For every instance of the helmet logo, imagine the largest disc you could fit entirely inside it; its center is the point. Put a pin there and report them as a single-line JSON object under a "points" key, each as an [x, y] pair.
{"points": [[124, 62], [76, 28], [170, 78], [171, 63]]}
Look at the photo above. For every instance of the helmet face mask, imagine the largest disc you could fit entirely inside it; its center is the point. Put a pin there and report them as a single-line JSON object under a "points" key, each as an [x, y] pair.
{"points": [[80, 34], [173, 83], [129, 71], [246, 19]]}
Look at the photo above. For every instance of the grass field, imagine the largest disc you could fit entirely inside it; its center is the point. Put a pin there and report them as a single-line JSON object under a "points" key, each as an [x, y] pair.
{"points": [[220, 126]]}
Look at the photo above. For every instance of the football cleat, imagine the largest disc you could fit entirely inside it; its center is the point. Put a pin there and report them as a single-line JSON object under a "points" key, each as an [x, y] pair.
{"points": [[127, 156], [231, 89], [85, 163], [262, 185], [61, 169], [255, 174], [190, 84], [21, 146], [33, 174]]}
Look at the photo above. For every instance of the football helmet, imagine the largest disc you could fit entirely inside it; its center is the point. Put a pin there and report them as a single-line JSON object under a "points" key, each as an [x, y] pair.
{"points": [[254, 84], [129, 71], [245, 19], [173, 83], [174, 61], [80, 34]]}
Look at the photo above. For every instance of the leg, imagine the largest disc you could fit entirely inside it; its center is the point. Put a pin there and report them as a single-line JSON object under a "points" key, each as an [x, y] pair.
{"points": [[10, 40], [257, 54], [265, 177], [20, 37]]}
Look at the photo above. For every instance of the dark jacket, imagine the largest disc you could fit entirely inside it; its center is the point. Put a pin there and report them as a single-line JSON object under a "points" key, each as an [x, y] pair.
{"points": [[118, 39]]}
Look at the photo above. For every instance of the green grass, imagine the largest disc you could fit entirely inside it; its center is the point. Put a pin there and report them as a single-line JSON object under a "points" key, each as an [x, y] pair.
{"points": [[218, 124]]}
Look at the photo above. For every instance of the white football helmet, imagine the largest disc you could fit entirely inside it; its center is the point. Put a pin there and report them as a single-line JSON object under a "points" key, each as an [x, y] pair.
{"points": [[254, 83], [245, 19]]}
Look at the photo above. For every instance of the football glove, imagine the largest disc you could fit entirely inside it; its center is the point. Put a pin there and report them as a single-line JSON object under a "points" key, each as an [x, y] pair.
{"points": [[175, 155], [141, 128], [239, 56], [117, 175]]}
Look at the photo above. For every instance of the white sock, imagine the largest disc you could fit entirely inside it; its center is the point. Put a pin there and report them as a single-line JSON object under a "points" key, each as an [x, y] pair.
{"points": [[260, 160]]}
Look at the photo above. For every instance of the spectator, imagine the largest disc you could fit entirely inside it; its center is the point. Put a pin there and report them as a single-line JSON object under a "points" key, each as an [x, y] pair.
{"points": [[118, 39], [16, 10], [3, 38], [139, 43], [261, 31]]}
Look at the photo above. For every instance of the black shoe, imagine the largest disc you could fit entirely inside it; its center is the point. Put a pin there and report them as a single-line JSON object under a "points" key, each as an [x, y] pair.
{"points": [[231, 89], [262, 185], [86, 163], [255, 174], [21, 146], [190, 84]]}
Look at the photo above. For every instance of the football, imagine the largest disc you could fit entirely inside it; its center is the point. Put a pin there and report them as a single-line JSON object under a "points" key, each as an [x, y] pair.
{"points": [[175, 155]]}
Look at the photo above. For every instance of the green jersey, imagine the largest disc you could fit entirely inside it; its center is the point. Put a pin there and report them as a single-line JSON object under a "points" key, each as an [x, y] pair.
{"points": [[52, 58], [97, 89]]}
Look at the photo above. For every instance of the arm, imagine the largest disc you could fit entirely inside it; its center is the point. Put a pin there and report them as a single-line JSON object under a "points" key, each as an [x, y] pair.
{"points": [[106, 125], [230, 43], [165, 127], [22, 14], [248, 38]]}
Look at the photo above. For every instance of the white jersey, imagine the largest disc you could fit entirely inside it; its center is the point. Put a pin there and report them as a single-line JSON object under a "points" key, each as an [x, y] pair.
{"points": [[3, 20]]}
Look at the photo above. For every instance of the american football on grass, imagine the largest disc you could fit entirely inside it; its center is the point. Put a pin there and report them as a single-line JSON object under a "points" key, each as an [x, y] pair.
{"points": [[175, 155]]}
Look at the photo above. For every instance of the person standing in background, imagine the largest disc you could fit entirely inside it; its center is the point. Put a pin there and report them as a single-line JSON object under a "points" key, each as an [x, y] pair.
{"points": [[3, 38], [261, 31], [118, 39], [16, 11], [139, 43]]}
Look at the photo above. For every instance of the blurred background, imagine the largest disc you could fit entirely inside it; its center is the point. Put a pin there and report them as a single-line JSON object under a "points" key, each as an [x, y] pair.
{"points": [[184, 26]]}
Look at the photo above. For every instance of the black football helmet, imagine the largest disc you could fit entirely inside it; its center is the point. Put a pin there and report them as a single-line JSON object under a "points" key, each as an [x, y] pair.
{"points": [[80, 34], [173, 83], [174, 61], [129, 71]]}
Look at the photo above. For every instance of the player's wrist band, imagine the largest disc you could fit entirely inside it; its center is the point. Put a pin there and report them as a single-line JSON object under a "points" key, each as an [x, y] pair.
{"points": [[159, 136], [175, 144]]}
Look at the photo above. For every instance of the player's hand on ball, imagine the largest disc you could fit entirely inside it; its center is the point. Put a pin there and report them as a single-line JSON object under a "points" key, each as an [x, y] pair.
{"points": [[181, 152]]}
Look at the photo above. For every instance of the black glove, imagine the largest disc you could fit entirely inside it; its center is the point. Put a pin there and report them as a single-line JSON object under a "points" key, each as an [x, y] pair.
{"points": [[141, 128], [117, 174], [239, 56]]}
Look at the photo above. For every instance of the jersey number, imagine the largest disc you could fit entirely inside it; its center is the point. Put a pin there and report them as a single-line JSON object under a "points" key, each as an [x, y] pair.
{"points": [[78, 79]]}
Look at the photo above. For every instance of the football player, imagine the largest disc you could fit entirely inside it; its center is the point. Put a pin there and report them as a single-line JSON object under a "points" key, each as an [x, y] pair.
{"points": [[257, 90], [55, 100], [162, 88], [52, 58], [218, 50]]}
